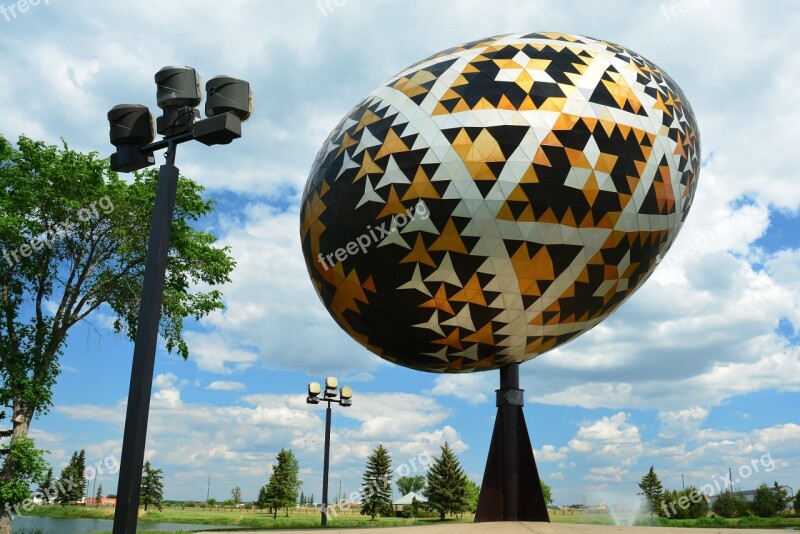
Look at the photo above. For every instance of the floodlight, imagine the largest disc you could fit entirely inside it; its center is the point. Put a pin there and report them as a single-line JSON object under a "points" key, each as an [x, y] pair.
{"points": [[312, 400], [331, 383], [178, 87], [178, 94], [229, 95], [314, 389], [130, 124], [346, 394], [130, 128]]}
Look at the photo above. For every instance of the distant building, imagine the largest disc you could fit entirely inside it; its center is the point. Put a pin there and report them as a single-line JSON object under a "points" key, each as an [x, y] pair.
{"points": [[105, 501], [407, 500]]}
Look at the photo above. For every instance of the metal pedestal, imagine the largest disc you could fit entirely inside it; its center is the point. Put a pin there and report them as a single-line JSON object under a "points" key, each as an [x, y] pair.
{"points": [[511, 490]]}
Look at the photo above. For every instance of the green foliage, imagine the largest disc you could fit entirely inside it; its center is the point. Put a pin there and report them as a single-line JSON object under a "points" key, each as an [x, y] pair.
{"points": [[473, 494], [764, 502], [688, 503], [74, 236], [152, 491], [729, 504], [99, 495], [47, 488], [781, 497], [284, 484], [411, 510], [236, 495], [446, 484], [376, 484], [547, 492], [652, 489], [72, 482], [407, 484], [28, 467]]}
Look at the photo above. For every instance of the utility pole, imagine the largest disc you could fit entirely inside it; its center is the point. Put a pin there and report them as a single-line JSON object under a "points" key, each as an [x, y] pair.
{"points": [[683, 486], [208, 492], [730, 479]]}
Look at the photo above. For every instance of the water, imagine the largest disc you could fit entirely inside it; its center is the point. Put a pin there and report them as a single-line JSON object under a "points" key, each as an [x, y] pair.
{"points": [[80, 526], [624, 509]]}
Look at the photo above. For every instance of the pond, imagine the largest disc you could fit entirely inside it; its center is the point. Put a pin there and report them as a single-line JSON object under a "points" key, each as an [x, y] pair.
{"points": [[50, 525]]}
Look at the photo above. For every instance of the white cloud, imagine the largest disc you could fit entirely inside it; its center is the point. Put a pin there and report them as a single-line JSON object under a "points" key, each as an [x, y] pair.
{"points": [[470, 387], [222, 385]]}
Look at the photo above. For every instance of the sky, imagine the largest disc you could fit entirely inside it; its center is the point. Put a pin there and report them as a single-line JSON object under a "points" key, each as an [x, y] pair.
{"points": [[697, 373]]}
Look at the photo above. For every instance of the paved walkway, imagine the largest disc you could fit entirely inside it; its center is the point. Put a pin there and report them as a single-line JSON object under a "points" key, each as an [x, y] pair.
{"points": [[517, 528]]}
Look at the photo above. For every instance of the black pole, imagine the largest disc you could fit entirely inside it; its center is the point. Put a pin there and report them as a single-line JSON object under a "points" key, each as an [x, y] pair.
{"points": [[133, 442], [326, 464], [509, 381]]}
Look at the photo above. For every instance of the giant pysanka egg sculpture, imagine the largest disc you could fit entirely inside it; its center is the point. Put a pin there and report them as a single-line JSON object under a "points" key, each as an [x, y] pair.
{"points": [[497, 199]]}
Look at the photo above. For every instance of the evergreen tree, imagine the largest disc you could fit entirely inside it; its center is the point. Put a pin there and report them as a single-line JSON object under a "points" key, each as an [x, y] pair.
{"points": [[47, 488], [283, 483], [683, 504], [797, 502], [652, 489], [263, 497], [729, 504], [764, 503], [781, 497], [73, 480], [152, 491], [376, 484], [446, 484], [99, 495], [302, 499]]}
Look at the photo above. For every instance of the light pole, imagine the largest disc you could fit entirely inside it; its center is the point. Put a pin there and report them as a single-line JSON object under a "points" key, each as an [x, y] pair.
{"points": [[229, 103], [344, 397]]}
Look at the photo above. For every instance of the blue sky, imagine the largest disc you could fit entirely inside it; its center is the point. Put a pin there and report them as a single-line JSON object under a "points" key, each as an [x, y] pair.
{"points": [[698, 372]]}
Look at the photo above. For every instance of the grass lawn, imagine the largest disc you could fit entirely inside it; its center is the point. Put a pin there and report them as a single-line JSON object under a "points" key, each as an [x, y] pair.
{"points": [[310, 518], [298, 518]]}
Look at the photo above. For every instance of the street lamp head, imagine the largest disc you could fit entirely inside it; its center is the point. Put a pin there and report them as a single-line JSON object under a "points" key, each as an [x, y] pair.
{"points": [[178, 94], [130, 124], [314, 389], [178, 87], [130, 128], [331, 384], [229, 95], [346, 395]]}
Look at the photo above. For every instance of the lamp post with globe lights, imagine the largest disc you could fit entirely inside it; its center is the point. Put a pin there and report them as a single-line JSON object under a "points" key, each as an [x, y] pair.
{"points": [[342, 397], [132, 129]]}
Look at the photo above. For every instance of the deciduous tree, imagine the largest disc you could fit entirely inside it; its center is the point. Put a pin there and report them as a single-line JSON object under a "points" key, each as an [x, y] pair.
{"points": [[73, 237]]}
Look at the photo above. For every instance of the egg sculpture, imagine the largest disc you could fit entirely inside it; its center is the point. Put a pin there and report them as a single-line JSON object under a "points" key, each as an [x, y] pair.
{"points": [[497, 199]]}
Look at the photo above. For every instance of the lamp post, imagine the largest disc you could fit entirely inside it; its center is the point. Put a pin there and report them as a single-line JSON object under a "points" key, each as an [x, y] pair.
{"points": [[344, 397], [178, 94]]}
